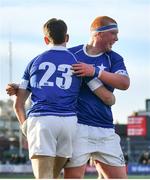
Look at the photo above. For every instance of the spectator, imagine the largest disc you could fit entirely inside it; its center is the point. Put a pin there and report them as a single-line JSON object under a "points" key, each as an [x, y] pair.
{"points": [[145, 158]]}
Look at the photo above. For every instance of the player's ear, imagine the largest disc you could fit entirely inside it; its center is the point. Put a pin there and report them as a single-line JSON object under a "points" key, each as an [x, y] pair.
{"points": [[67, 38], [47, 41], [100, 34]]}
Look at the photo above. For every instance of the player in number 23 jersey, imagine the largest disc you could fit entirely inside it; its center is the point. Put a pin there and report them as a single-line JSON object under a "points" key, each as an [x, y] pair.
{"points": [[54, 88]]}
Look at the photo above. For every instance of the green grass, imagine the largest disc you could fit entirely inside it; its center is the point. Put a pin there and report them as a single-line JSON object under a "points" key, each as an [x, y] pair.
{"points": [[139, 177], [16, 176], [30, 176]]}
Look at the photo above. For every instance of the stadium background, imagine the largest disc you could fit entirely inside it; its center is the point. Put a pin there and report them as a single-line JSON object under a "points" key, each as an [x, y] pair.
{"points": [[133, 45]]}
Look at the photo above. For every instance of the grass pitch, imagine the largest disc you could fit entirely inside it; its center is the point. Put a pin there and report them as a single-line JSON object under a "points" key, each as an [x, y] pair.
{"points": [[87, 176]]}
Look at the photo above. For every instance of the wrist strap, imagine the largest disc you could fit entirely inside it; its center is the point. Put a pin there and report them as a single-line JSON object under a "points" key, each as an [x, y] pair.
{"points": [[94, 84], [97, 72]]}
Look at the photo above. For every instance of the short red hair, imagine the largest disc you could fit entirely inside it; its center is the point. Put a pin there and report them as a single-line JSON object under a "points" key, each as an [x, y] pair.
{"points": [[101, 21]]}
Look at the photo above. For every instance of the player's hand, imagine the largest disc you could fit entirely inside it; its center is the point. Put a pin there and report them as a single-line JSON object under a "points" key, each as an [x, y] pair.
{"points": [[82, 69], [12, 89]]}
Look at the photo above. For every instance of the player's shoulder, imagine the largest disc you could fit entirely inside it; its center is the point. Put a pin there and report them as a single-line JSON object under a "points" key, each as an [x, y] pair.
{"points": [[40, 56], [65, 52], [114, 56], [31, 62], [75, 49]]}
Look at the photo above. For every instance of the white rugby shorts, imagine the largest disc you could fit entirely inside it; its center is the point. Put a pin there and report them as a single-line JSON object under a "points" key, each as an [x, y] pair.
{"points": [[102, 144], [51, 135]]}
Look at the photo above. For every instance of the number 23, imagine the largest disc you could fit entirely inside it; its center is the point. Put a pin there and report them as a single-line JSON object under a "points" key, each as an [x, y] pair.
{"points": [[59, 80]]}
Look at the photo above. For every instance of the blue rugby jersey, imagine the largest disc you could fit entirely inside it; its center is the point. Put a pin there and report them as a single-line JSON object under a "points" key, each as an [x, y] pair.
{"points": [[54, 89], [91, 109]]}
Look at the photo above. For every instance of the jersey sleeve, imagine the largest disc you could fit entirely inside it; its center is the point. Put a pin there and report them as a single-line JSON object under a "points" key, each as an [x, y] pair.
{"points": [[25, 80], [118, 65]]}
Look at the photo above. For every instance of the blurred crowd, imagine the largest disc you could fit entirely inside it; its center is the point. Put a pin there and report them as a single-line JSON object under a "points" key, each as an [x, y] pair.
{"points": [[145, 158], [13, 156]]}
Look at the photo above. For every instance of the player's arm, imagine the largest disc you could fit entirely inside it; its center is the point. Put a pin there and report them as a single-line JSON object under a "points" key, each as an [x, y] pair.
{"points": [[19, 104], [101, 91], [19, 108], [12, 88], [105, 95], [116, 80]]}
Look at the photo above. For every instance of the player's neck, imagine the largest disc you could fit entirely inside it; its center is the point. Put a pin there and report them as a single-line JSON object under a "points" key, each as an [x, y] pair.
{"points": [[93, 50], [63, 44]]}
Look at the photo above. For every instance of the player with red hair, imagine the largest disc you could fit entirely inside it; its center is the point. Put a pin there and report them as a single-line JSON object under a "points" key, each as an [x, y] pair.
{"points": [[96, 136]]}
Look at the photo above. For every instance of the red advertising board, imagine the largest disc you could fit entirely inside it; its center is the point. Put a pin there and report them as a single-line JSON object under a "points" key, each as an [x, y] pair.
{"points": [[136, 126]]}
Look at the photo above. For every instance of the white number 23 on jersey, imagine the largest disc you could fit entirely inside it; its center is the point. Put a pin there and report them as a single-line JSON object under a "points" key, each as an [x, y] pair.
{"points": [[63, 82]]}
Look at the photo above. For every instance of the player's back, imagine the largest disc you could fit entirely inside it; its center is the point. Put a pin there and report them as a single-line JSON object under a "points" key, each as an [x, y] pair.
{"points": [[54, 88]]}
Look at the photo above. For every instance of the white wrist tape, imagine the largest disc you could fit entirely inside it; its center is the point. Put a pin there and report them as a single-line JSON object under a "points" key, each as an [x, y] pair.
{"points": [[23, 84], [23, 128], [94, 84]]}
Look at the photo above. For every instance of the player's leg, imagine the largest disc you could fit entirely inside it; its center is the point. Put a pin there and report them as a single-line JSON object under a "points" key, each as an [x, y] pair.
{"points": [[75, 167], [42, 133], [74, 172], [42, 167], [112, 172], [58, 166], [109, 159], [64, 142]]}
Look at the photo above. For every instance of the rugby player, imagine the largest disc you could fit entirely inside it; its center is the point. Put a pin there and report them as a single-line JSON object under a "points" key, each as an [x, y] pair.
{"points": [[51, 121], [96, 135]]}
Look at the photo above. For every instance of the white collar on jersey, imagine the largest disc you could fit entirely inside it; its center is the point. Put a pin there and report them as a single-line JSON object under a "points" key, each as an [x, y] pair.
{"points": [[90, 55], [59, 47]]}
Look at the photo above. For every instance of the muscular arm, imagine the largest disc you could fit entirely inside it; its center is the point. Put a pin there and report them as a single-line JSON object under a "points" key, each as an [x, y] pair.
{"points": [[105, 95], [19, 104], [115, 80], [97, 87]]}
